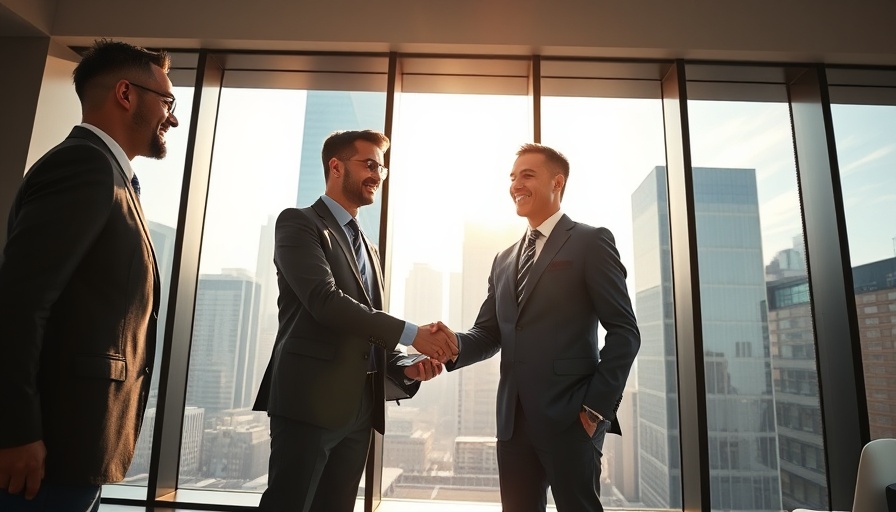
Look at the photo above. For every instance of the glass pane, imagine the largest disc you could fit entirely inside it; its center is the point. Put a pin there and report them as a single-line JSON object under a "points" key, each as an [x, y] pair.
{"points": [[160, 185], [766, 448], [616, 150], [266, 158], [865, 136], [450, 213]]}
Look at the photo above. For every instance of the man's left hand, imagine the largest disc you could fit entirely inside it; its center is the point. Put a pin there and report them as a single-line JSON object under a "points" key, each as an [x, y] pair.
{"points": [[424, 369]]}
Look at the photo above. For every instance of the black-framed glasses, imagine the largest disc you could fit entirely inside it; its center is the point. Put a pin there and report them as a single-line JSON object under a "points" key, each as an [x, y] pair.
{"points": [[169, 101], [374, 166]]}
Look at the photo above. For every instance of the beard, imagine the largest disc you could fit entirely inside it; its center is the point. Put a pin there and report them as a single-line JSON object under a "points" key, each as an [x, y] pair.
{"points": [[353, 190], [155, 145]]}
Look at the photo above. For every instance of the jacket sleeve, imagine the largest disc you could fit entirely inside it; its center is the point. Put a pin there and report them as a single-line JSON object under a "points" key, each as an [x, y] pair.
{"points": [[605, 277], [483, 340], [396, 387]]}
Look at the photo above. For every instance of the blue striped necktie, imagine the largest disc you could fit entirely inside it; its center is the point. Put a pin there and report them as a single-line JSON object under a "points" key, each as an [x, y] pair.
{"points": [[526, 261], [358, 249]]}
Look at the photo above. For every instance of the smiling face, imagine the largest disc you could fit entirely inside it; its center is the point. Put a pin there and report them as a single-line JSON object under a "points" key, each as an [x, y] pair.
{"points": [[535, 188], [151, 117], [355, 185]]}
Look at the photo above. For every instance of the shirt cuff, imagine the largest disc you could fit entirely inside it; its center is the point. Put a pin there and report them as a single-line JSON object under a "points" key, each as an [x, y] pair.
{"points": [[592, 411], [408, 334]]}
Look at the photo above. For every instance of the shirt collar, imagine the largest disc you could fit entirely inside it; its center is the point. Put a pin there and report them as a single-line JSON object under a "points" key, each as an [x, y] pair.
{"points": [[114, 147], [341, 214], [548, 225]]}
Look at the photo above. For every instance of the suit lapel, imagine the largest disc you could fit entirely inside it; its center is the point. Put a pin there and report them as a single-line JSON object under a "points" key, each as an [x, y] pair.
{"points": [[378, 284], [559, 236], [338, 232]]}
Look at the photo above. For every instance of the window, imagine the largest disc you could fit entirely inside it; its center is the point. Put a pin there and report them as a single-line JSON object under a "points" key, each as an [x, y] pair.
{"points": [[612, 133], [449, 214], [750, 248], [864, 129]]}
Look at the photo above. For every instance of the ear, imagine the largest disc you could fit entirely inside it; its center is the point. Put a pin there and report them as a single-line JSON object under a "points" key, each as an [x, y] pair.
{"points": [[335, 167], [559, 180], [123, 94]]}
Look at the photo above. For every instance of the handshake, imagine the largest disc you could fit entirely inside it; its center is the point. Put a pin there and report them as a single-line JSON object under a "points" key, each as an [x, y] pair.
{"points": [[437, 341]]}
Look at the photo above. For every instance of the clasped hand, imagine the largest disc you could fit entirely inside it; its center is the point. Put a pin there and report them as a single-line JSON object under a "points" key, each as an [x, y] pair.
{"points": [[436, 341]]}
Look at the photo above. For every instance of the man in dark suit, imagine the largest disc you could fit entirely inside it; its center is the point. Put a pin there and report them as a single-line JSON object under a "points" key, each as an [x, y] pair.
{"points": [[557, 395], [329, 373], [79, 292]]}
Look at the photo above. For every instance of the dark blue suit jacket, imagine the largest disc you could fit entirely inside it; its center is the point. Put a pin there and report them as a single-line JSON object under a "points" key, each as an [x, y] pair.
{"points": [[549, 344]]}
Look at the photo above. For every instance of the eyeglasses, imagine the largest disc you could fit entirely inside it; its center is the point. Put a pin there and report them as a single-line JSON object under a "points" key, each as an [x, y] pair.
{"points": [[374, 166], [169, 101]]}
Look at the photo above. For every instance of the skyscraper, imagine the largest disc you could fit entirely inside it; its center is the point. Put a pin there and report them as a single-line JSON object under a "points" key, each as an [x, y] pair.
{"points": [[222, 363], [478, 384], [740, 404], [325, 113]]}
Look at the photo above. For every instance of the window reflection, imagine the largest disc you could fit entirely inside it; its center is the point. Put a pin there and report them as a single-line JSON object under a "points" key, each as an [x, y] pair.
{"points": [[766, 445], [866, 150]]}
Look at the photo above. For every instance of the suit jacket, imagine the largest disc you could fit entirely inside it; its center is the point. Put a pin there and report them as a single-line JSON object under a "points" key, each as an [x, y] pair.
{"points": [[549, 343], [328, 322], [79, 297]]}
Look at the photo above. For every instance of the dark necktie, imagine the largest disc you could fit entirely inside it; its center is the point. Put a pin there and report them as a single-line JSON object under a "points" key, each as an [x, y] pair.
{"points": [[526, 261], [136, 184], [358, 249]]}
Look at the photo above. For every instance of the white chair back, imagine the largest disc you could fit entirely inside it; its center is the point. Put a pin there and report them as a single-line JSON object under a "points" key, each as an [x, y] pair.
{"points": [[877, 470]]}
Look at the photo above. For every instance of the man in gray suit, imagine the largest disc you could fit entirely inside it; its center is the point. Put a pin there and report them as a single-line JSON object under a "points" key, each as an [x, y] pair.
{"points": [[557, 395], [335, 359], [79, 292]]}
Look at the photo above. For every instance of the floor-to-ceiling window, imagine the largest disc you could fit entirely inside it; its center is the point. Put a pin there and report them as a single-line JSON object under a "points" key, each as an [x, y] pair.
{"points": [[457, 124], [764, 419], [865, 130], [457, 127], [266, 158]]}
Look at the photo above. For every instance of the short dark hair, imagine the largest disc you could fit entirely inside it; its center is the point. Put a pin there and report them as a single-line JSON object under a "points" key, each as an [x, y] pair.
{"points": [[108, 57], [553, 157], [341, 145]]}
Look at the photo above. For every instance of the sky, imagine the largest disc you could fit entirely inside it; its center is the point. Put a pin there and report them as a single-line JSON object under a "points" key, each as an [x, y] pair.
{"points": [[452, 154]]}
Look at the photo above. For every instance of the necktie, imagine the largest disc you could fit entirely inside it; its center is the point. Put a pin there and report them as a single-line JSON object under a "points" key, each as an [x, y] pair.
{"points": [[136, 184], [358, 248], [526, 261]]}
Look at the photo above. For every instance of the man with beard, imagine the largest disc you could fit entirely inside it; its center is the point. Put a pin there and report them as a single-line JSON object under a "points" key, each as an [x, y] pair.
{"points": [[329, 373], [79, 292]]}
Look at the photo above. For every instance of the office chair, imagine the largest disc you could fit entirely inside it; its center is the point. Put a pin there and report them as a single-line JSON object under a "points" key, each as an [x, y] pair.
{"points": [[877, 470]]}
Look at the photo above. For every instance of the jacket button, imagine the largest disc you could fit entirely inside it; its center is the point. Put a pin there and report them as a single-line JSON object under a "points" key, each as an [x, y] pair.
{"points": [[366, 355]]}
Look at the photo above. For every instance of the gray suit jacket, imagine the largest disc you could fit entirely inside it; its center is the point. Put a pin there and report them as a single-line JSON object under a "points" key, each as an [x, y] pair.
{"points": [[79, 298], [327, 323], [549, 344]]}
